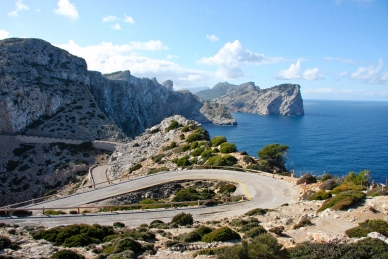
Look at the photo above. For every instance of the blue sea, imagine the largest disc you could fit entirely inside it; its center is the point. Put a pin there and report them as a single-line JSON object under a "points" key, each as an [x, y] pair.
{"points": [[333, 137]]}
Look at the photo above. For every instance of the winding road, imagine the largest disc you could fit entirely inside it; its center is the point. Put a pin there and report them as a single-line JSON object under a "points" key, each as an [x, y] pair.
{"points": [[262, 192]]}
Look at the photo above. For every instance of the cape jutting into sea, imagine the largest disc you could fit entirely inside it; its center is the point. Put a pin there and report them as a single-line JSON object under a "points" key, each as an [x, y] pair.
{"points": [[333, 137]]}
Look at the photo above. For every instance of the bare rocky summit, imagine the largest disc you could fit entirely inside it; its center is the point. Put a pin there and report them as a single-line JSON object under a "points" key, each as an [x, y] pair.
{"points": [[283, 99]]}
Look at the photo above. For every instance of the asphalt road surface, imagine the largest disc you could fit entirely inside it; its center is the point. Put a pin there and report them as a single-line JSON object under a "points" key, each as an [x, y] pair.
{"points": [[263, 192], [99, 176]]}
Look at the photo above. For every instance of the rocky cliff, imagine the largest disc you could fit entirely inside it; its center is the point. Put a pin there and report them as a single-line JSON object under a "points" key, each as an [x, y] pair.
{"points": [[283, 99], [46, 91]]}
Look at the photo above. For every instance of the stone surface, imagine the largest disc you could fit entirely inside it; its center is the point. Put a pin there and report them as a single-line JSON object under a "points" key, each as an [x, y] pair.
{"points": [[283, 99]]}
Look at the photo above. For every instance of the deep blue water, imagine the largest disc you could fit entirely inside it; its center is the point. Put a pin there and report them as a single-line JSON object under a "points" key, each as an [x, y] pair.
{"points": [[333, 137]]}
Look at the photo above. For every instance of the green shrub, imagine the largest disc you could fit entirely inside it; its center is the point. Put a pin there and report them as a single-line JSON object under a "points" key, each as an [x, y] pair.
{"points": [[191, 194], [342, 201], [326, 177], [157, 170], [183, 219], [321, 195], [5, 242], [181, 148], [197, 151], [254, 232], [227, 148], [118, 225], [190, 237], [378, 191], [21, 213], [194, 145], [302, 223], [127, 244], [54, 212], [156, 223], [367, 227], [307, 178], [66, 254], [258, 211], [226, 160], [347, 187], [173, 125], [51, 192], [218, 140], [221, 234], [227, 188], [80, 240], [199, 134], [277, 230], [181, 136], [248, 160], [183, 161], [186, 128], [156, 130], [147, 201], [203, 230], [157, 158], [134, 168], [205, 155], [362, 178], [136, 145]]}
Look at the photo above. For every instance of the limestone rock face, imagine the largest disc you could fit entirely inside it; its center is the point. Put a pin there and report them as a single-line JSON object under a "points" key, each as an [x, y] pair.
{"points": [[139, 103], [283, 99], [46, 91]]}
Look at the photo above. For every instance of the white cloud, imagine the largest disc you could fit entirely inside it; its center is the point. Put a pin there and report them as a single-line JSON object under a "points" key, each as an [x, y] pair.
{"points": [[129, 19], [19, 6], [232, 56], [293, 72], [342, 60], [37, 10], [67, 9], [116, 26], [107, 57], [211, 37], [171, 57], [384, 78], [109, 18], [4, 34], [368, 74]]}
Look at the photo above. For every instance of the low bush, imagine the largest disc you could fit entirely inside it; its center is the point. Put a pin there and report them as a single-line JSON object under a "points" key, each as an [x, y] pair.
{"points": [[227, 148], [321, 195], [367, 227], [66, 254], [205, 155], [127, 244], [197, 151], [221, 234], [347, 187], [378, 191], [190, 237], [199, 134], [21, 213], [157, 170], [326, 177], [277, 230], [254, 232], [156, 223], [183, 161], [183, 219], [227, 188], [134, 168], [248, 160], [203, 230], [156, 130], [5, 242], [307, 178], [157, 158], [54, 212], [80, 240], [257, 211], [119, 224], [302, 223], [173, 125], [181, 148], [51, 192], [226, 160], [218, 140], [342, 201]]}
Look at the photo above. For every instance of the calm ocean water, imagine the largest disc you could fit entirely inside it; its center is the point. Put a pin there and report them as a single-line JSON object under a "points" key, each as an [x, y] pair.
{"points": [[333, 137]]}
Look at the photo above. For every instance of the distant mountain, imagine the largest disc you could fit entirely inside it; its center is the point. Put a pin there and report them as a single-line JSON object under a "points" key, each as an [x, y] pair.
{"points": [[284, 99], [195, 90]]}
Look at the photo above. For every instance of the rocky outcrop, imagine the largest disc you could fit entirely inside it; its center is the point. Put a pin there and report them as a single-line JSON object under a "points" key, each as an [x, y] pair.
{"points": [[283, 99], [46, 91]]}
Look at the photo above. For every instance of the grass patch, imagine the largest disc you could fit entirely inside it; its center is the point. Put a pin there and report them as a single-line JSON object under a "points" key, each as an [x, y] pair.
{"points": [[368, 226], [342, 201]]}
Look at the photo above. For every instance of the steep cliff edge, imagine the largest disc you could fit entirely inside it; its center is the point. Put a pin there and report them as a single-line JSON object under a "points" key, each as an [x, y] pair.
{"points": [[284, 99], [46, 91], [136, 104]]}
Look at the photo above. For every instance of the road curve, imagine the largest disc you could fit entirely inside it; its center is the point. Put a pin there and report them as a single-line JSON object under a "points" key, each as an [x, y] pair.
{"points": [[264, 192]]}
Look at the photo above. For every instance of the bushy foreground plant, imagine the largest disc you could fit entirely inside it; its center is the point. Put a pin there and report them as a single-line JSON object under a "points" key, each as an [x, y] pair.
{"points": [[74, 235], [226, 160], [342, 201], [321, 195], [367, 227], [197, 135], [257, 211], [221, 234], [191, 194], [227, 148], [183, 219], [218, 140]]}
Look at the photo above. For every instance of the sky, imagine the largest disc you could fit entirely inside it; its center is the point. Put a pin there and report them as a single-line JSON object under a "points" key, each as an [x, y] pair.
{"points": [[334, 49]]}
